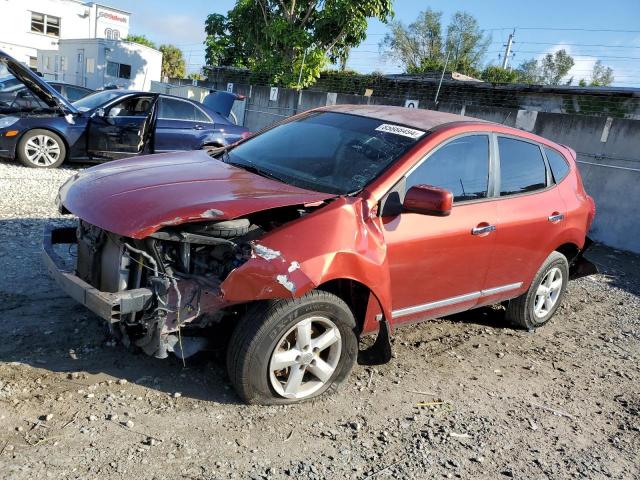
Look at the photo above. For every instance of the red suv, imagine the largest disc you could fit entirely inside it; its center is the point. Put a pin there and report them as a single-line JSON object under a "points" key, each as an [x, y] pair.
{"points": [[331, 225]]}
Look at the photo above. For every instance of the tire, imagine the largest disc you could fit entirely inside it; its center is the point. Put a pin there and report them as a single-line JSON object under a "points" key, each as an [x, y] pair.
{"points": [[228, 228], [536, 306], [271, 328], [53, 154]]}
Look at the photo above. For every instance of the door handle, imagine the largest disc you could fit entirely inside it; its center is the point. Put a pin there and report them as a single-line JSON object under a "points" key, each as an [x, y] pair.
{"points": [[482, 230], [555, 217], [198, 127]]}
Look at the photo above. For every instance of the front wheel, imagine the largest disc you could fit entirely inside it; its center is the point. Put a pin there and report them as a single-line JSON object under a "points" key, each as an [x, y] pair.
{"points": [[288, 351], [41, 149], [537, 305]]}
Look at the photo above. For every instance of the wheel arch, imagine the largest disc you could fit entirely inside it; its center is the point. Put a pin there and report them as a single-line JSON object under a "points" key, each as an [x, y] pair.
{"points": [[362, 301], [569, 250]]}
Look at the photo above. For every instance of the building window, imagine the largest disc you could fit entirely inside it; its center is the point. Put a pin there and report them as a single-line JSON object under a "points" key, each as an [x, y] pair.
{"points": [[116, 35], [119, 70], [46, 24], [33, 63], [108, 33]]}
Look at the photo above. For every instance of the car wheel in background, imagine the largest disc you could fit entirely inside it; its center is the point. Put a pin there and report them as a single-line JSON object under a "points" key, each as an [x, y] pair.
{"points": [[288, 351], [537, 305], [41, 149]]}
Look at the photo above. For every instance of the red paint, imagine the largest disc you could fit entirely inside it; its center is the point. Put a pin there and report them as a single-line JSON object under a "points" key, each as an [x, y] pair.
{"points": [[136, 197], [404, 260], [428, 200]]}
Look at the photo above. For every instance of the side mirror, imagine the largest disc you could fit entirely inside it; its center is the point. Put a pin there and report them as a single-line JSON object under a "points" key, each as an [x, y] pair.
{"points": [[98, 112], [428, 200]]}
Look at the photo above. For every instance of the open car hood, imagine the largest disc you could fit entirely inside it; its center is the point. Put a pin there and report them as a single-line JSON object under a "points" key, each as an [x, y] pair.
{"points": [[220, 102], [136, 197], [35, 84]]}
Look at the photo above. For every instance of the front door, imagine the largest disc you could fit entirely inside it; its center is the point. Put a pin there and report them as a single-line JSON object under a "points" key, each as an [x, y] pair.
{"points": [[438, 264], [180, 125], [123, 129]]}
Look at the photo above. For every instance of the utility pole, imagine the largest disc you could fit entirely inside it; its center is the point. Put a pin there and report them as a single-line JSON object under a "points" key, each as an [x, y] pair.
{"points": [[507, 52]]}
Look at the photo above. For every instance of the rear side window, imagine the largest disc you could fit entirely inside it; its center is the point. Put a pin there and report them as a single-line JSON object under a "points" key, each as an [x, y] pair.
{"points": [[522, 167], [559, 166], [461, 166], [172, 109], [200, 116]]}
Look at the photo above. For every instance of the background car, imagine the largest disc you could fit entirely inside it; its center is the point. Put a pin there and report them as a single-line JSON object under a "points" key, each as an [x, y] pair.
{"points": [[106, 125], [16, 94]]}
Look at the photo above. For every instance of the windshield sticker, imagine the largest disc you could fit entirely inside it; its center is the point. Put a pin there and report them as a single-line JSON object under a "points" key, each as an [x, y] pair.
{"points": [[398, 130]]}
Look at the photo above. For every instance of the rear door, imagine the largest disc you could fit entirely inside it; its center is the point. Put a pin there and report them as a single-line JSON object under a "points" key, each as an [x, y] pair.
{"points": [[530, 214], [181, 125], [123, 129]]}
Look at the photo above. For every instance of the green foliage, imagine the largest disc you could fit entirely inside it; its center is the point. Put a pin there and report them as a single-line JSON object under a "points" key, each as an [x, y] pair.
{"points": [[196, 76], [554, 67], [495, 74], [141, 39], [288, 39], [420, 47], [173, 64], [601, 76], [549, 71]]}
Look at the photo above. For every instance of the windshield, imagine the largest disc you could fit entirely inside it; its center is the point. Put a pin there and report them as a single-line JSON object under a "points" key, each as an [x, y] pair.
{"points": [[95, 100], [326, 151]]}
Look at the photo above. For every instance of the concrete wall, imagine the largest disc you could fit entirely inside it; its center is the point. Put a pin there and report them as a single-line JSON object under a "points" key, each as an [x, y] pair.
{"points": [[608, 148]]}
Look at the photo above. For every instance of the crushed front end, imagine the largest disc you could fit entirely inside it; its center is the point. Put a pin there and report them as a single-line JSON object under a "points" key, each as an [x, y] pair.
{"points": [[148, 290]]}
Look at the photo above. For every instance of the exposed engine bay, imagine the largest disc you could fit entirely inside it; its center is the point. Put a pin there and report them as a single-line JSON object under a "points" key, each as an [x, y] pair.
{"points": [[183, 266]]}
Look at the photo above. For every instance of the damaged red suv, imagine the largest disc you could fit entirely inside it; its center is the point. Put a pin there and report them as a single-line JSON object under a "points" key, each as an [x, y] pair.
{"points": [[336, 223]]}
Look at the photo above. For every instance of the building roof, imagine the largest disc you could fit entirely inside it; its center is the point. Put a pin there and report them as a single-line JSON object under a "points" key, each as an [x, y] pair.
{"points": [[412, 117]]}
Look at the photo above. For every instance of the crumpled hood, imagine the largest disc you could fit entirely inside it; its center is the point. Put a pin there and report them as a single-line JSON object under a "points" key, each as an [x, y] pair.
{"points": [[138, 196]]}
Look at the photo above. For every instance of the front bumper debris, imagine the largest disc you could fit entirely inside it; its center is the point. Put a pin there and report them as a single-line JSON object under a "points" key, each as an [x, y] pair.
{"points": [[107, 305]]}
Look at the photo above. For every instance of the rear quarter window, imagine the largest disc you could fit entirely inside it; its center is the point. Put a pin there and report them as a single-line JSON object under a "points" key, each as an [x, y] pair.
{"points": [[558, 164]]}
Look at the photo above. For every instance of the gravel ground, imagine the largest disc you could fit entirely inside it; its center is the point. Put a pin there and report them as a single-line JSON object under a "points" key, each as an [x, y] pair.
{"points": [[464, 397]]}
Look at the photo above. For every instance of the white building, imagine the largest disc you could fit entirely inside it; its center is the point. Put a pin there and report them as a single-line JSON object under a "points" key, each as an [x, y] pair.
{"points": [[27, 26], [94, 63]]}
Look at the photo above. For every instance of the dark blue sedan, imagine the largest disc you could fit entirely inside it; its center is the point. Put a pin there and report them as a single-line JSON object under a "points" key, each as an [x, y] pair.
{"points": [[107, 125]]}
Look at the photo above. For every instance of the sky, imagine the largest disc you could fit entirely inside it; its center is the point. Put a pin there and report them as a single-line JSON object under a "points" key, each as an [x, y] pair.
{"points": [[587, 29]]}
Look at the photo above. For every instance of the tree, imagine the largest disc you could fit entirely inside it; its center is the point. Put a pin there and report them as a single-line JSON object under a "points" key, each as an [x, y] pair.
{"points": [[601, 76], [281, 38], [528, 72], [141, 39], [495, 74], [466, 44], [195, 76], [173, 64], [554, 67], [420, 46]]}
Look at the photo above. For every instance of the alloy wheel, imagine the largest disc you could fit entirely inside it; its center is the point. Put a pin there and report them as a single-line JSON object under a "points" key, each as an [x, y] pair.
{"points": [[305, 357], [548, 292], [42, 150]]}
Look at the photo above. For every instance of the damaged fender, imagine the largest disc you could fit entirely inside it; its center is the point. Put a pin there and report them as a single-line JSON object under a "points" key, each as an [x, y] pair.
{"points": [[340, 241]]}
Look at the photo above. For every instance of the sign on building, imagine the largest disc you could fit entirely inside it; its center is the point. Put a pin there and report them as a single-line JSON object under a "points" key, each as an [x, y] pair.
{"points": [[411, 103], [273, 94], [230, 87]]}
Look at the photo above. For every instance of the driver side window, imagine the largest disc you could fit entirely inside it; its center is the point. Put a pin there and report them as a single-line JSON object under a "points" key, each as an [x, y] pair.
{"points": [[132, 107], [461, 166]]}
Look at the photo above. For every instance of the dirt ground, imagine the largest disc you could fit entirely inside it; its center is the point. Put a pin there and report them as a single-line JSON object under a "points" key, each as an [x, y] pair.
{"points": [[464, 397]]}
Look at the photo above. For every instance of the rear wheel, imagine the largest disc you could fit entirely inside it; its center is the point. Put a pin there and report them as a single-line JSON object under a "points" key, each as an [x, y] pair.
{"points": [[41, 149], [292, 350], [537, 305]]}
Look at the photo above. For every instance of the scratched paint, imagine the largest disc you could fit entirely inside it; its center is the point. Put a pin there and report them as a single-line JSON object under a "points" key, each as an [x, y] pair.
{"points": [[286, 283], [265, 252]]}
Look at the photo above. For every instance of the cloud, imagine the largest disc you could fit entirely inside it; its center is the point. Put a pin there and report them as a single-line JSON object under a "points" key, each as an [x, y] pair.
{"points": [[179, 29]]}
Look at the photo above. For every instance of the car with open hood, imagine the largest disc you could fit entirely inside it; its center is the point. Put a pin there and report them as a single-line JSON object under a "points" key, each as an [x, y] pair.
{"points": [[333, 224], [43, 129]]}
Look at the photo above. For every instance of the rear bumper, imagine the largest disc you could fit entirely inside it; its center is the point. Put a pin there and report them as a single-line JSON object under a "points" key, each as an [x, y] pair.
{"points": [[107, 305], [581, 267]]}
